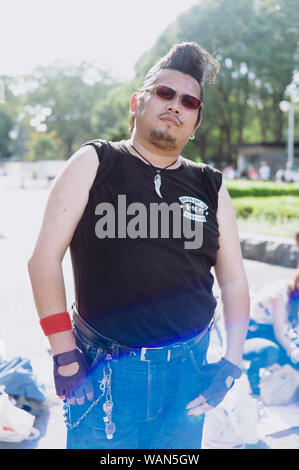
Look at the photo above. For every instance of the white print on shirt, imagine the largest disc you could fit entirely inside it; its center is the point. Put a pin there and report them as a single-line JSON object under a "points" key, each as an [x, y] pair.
{"points": [[194, 208]]}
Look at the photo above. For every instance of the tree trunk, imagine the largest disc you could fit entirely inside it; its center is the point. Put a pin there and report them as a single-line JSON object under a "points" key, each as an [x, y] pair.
{"points": [[202, 140], [228, 153], [221, 151], [278, 132], [69, 147]]}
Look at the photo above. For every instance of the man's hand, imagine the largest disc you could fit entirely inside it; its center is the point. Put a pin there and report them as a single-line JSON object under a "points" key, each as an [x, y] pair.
{"points": [[216, 378], [71, 377]]}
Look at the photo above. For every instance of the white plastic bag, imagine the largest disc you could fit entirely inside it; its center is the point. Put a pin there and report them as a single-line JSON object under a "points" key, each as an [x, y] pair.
{"points": [[16, 425], [233, 423], [279, 385]]}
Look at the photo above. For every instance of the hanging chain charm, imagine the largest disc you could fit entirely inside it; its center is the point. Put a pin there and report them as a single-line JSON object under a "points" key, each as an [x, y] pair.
{"points": [[108, 405], [157, 178], [157, 182], [105, 387]]}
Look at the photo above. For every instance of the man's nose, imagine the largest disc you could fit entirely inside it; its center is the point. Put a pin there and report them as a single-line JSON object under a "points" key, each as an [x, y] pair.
{"points": [[174, 106]]}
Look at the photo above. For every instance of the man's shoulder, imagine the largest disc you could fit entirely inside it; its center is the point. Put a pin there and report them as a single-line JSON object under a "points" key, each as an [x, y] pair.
{"points": [[83, 162], [92, 144], [204, 167], [85, 153], [103, 145]]}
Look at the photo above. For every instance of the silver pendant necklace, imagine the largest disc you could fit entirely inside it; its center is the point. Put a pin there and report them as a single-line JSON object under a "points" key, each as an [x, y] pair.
{"points": [[157, 175]]}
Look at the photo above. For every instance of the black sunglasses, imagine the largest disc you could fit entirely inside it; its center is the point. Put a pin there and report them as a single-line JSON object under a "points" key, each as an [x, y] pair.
{"points": [[167, 93]]}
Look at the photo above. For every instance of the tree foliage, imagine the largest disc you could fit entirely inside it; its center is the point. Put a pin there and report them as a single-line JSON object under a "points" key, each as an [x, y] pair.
{"points": [[6, 126], [43, 146], [255, 42]]}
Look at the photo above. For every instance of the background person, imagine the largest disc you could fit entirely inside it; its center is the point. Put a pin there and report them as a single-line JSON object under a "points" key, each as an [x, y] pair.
{"points": [[273, 332], [289, 173], [264, 171], [279, 175], [253, 173]]}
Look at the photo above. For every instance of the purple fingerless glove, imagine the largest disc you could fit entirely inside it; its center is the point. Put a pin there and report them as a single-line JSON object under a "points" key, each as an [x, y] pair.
{"points": [[213, 377], [78, 383]]}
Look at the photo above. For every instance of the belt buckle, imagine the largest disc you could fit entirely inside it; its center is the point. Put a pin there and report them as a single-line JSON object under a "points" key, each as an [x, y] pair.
{"points": [[113, 349], [143, 353]]}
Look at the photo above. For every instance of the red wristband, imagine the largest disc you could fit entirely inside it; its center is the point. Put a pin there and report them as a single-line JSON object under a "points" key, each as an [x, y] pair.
{"points": [[56, 323]]}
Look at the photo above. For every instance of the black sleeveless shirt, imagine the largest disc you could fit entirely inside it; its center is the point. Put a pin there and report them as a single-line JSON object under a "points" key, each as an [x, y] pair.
{"points": [[145, 289]]}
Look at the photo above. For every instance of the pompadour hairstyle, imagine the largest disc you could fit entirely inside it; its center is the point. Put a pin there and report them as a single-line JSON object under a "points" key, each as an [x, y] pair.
{"points": [[188, 58]]}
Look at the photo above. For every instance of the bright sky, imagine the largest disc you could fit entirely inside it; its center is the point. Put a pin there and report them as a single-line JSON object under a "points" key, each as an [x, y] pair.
{"points": [[114, 33]]}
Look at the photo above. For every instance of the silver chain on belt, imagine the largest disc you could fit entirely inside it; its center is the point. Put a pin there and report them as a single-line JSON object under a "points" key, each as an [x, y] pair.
{"points": [[105, 387]]}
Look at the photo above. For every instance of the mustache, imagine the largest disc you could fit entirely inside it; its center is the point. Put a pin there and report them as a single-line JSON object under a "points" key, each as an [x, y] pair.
{"points": [[172, 116]]}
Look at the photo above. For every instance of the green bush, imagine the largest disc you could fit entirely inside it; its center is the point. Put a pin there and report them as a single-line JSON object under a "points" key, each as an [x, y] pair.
{"points": [[247, 188], [245, 211]]}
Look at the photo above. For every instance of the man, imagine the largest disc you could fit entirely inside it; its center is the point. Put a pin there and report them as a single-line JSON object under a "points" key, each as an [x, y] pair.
{"points": [[131, 367], [264, 171]]}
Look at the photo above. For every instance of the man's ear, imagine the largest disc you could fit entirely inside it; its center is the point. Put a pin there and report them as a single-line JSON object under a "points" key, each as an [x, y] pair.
{"points": [[197, 125], [133, 102]]}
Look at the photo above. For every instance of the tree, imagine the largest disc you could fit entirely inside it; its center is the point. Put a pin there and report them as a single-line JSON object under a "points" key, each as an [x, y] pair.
{"points": [[255, 42], [43, 147], [11, 135], [6, 126], [111, 114], [64, 91]]}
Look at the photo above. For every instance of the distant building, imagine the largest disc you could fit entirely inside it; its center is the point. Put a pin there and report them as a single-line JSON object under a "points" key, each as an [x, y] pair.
{"points": [[275, 154], [41, 169]]}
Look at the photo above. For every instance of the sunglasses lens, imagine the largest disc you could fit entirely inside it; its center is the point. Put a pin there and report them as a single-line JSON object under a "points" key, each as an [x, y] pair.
{"points": [[190, 102], [165, 92]]}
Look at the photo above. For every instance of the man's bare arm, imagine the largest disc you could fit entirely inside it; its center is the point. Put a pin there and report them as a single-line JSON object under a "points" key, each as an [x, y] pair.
{"points": [[65, 206], [232, 280]]}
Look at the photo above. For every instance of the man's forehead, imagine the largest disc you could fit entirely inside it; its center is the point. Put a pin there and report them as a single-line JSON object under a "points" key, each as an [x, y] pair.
{"points": [[178, 80]]}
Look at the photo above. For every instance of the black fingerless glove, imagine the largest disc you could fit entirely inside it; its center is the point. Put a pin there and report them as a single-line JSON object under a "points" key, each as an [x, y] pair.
{"points": [[78, 383], [213, 378]]}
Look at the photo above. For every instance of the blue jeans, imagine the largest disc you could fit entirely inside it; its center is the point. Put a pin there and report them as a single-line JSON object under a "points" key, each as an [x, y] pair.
{"points": [[149, 402]]}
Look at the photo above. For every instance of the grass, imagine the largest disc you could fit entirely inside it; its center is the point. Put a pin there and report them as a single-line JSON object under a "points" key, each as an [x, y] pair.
{"points": [[269, 208], [265, 207], [280, 228], [276, 216]]}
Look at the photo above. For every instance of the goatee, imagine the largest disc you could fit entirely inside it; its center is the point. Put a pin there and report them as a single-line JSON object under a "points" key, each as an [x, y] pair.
{"points": [[162, 140]]}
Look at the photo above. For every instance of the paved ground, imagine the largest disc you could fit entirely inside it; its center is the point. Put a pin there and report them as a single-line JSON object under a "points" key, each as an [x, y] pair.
{"points": [[20, 219]]}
